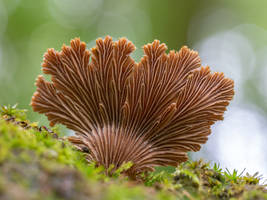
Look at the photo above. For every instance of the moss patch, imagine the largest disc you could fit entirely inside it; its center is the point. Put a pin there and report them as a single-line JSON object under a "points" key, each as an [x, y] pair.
{"points": [[37, 164]]}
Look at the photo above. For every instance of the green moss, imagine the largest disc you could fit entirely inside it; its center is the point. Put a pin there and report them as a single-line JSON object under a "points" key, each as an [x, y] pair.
{"points": [[36, 164], [13, 111], [200, 180]]}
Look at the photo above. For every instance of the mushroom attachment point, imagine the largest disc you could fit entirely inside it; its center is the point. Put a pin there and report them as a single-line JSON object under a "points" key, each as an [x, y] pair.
{"points": [[149, 113]]}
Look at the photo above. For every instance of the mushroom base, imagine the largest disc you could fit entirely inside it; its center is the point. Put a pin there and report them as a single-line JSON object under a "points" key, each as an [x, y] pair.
{"points": [[110, 146]]}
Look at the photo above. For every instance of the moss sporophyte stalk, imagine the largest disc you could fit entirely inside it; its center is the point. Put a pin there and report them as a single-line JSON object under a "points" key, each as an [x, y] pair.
{"points": [[149, 113]]}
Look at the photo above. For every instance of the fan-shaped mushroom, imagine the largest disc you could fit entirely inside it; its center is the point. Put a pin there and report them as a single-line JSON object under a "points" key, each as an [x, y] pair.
{"points": [[151, 113]]}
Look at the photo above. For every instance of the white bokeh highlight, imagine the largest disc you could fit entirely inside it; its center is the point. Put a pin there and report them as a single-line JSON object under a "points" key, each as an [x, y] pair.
{"points": [[240, 140]]}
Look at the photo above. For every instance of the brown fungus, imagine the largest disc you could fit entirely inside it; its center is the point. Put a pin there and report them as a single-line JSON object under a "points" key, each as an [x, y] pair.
{"points": [[150, 113]]}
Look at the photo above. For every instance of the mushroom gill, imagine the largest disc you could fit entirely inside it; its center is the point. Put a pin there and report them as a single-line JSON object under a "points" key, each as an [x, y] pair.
{"points": [[150, 113]]}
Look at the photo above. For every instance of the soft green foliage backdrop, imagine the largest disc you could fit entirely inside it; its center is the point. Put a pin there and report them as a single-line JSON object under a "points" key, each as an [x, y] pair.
{"points": [[29, 27], [229, 34]]}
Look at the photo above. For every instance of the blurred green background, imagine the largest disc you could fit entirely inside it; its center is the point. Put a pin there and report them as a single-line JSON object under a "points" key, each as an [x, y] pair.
{"points": [[230, 36]]}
